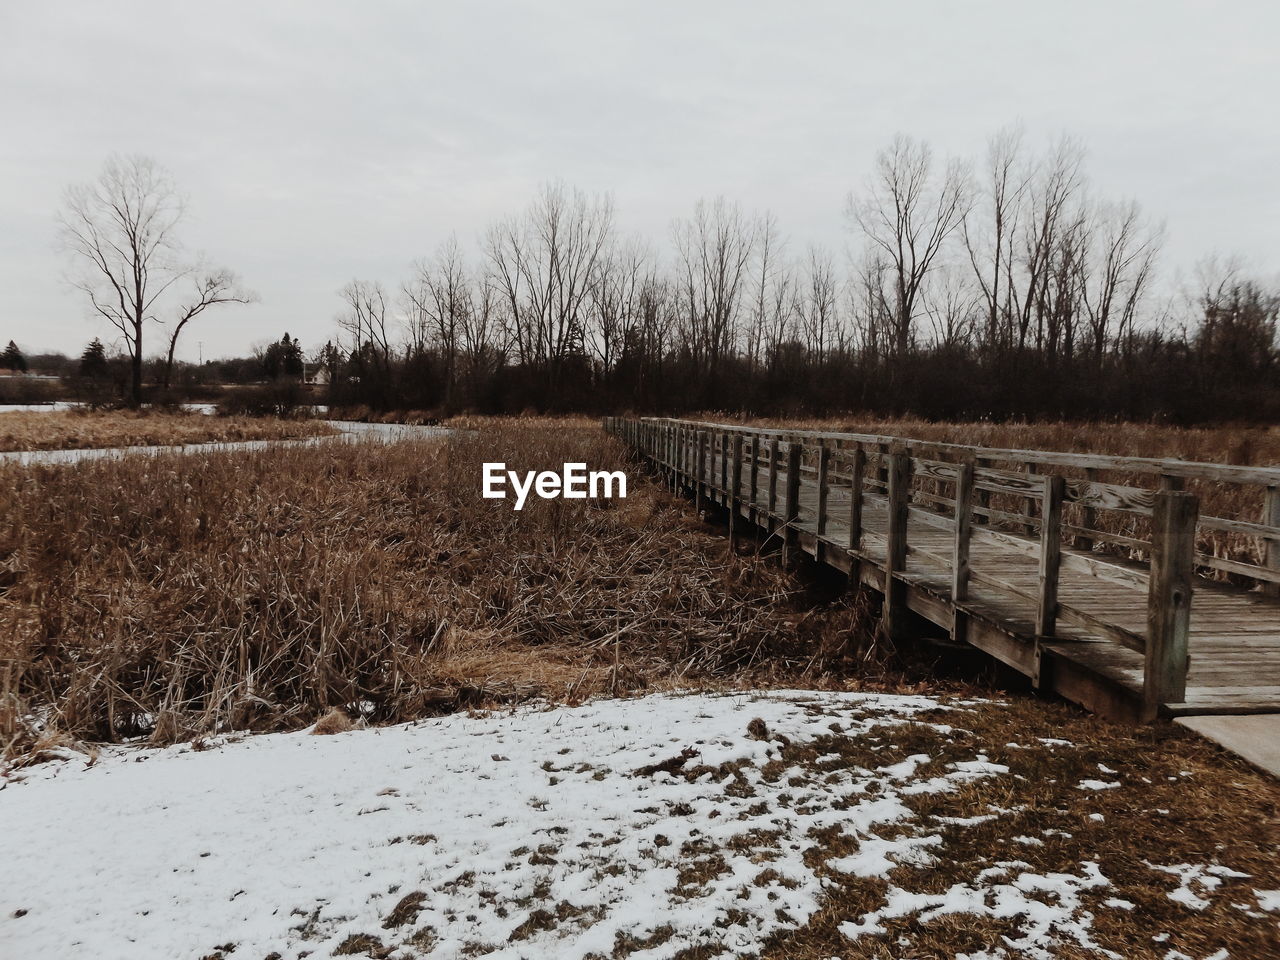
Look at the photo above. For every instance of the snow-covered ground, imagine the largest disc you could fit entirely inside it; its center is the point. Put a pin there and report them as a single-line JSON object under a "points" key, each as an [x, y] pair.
{"points": [[644, 826]]}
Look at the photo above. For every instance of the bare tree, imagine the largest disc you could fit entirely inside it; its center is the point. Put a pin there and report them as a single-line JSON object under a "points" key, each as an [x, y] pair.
{"points": [[817, 305], [367, 326], [121, 229], [713, 251], [1048, 240], [440, 299], [989, 237], [620, 279], [209, 288], [1125, 250], [908, 216], [544, 263]]}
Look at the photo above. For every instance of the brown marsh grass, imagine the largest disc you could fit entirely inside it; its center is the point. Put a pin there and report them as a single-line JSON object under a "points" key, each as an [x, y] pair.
{"points": [[171, 598], [84, 429]]}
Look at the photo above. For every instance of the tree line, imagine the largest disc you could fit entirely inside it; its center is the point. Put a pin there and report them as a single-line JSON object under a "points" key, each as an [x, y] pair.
{"points": [[1004, 287], [1001, 289]]}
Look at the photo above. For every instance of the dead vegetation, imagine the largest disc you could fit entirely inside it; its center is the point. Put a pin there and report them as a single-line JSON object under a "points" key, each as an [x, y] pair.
{"points": [[1171, 799], [169, 599], [86, 429]]}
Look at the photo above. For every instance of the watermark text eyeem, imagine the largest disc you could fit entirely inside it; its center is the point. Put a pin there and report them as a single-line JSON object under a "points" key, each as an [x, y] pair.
{"points": [[574, 482]]}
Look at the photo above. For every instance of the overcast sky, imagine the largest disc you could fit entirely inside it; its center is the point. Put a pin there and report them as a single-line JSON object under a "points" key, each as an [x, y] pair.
{"points": [[321, 141]]}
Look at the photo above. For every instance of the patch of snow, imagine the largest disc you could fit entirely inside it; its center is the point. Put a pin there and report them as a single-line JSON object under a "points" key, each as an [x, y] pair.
{"points": [[1097, 785], [1268, 900], [1044, 924], [291, 843], [1196, 881]]}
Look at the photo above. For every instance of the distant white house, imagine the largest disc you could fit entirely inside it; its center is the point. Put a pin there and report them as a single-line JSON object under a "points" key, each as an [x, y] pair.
{"points": [[316, 374]]}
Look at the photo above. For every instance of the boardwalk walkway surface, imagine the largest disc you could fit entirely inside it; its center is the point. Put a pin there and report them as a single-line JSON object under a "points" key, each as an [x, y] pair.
{"points": [[1020, 575]]}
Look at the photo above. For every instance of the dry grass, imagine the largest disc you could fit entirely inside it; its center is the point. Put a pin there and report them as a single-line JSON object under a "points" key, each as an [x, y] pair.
{"points": [[84, 429], [174, 598], [1178, 800]]}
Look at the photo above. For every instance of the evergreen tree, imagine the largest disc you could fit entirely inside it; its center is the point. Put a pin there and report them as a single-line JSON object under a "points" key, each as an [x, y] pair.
{"points": [[283, 358], [93, 362], [12, 359]]}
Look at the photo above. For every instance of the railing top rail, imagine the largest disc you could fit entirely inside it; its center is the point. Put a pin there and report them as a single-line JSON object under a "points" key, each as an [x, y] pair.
{"points": [[1188, 469]]}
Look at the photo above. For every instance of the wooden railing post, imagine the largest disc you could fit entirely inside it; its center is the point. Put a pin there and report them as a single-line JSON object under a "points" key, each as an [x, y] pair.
{"points": [[735, 482], [963, 531], [824, 461], [1271, 548], [983, 497], [1173, 557], [1029, 504], [773, 482], [899, 506], [1050, 554], [755, 478], [858, 469], [1089, 515], [791, 507], [700, 467], [724, 466]]}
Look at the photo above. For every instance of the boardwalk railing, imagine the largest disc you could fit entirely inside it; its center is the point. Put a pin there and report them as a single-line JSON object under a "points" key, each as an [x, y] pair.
{"points": [[934, 502]]}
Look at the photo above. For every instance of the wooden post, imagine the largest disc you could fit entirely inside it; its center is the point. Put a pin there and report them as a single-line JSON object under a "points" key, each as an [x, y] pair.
{"points": [[963, 529], [724, 465], [983, 496], [1173, 558], [960, 552], [1271, 548], [1029, 504], [773, 482], [791, 508], [824, 461], [899, 502], [700, 463], [858, 469], [735, 488], [1089, 515], [755, 477], [1050, 554]]}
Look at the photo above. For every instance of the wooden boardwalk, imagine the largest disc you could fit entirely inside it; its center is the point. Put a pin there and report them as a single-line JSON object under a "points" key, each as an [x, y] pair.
{"points": [[1019, 576]]}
